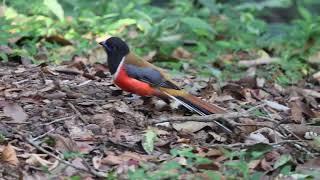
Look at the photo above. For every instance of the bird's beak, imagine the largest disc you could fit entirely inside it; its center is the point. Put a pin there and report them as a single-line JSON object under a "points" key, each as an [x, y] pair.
{"points": [[101, 43]]}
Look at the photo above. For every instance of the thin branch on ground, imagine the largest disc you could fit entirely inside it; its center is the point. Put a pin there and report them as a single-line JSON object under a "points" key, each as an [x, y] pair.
{"points": [[77, 112], [59, 119], [43, 135], [244, 145]]}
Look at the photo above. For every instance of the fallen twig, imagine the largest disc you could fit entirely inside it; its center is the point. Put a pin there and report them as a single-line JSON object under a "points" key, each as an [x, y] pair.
{"points": [[77, 112], [210, 118], [244, 145], [59, 119]]}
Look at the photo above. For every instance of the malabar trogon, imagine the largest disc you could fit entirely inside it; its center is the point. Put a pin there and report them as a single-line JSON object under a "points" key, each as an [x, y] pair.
{"points": [[132, 74]]}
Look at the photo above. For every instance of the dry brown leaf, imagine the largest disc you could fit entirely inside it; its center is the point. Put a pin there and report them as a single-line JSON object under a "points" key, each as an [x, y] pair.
{"points": [[64, 144], [84, 147], [296, 111], [181, 53], [37, 160], [59, 40], [9, 155], [248, 129], [254, 164], [191, 126], [265, 165], [15, 112], [113, 159], [105, 121]]}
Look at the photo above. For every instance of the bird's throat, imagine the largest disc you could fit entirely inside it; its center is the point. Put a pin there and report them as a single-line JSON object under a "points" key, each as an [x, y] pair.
{"points": [[114, 63]]}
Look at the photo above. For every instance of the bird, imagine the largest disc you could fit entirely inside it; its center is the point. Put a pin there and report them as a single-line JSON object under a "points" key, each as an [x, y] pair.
{"points": [[133, 74]]}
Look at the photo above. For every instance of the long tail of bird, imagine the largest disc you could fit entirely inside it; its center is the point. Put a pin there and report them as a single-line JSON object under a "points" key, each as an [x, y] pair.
{"points": [[197, 105]]}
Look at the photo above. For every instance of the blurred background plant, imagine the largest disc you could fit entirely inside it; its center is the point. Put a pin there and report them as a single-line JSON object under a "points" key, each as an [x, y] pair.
{"points": [[208, 37]]}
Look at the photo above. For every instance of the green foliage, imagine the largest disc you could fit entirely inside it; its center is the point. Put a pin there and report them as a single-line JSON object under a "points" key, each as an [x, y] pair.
{"points": [[218, 28], [2, 138], [148, 142], [55, 8]]}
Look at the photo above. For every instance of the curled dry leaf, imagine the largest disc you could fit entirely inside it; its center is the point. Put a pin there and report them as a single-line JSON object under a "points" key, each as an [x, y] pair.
{"points": [[15, 112], [9, 155]]}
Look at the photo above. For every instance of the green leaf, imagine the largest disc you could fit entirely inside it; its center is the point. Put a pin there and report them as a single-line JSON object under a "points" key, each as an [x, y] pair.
{"points": [[305, 13], [10, 13], [198, 26], [284, 159], [4, 57], [120, 23], [257, 150], [55, 8], [148, 141], [211, 5]]}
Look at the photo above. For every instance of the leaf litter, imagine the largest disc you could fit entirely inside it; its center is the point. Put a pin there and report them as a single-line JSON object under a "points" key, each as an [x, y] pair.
{"points": [[76, 113]]}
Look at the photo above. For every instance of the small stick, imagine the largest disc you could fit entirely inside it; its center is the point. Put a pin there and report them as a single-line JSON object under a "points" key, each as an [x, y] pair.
{"points": [[43, 135], [243, 145], [77, 112], [59, 119]]}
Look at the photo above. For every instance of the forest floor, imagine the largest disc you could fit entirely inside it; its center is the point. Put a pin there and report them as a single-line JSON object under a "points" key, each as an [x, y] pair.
{"points": [[71, 121]]}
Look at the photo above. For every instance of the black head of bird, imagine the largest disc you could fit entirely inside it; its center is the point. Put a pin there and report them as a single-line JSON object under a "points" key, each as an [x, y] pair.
{"points": [[116, 50]]}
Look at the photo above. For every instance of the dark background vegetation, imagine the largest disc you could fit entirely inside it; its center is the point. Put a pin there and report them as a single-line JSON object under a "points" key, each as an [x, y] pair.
{"points": [[217, 33]]}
